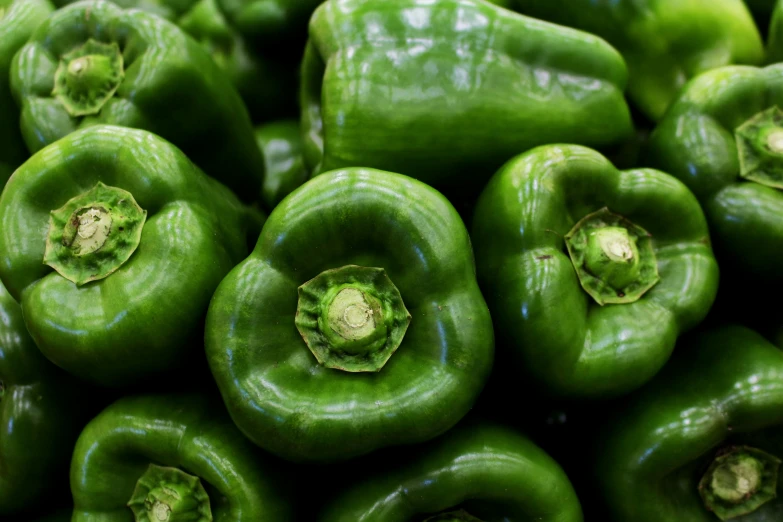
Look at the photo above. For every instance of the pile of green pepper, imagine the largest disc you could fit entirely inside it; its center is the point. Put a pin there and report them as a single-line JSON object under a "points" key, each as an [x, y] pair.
{"points": [[391, 260]]}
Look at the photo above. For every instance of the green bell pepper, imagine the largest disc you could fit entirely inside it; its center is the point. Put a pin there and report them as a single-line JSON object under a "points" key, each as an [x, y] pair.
{"points": [[447, 91], [18, 20], [388, 341], [591, 273], [269, 23], [41, 413], [775, 34], [266, 85], [703, 441], [169, 458], [721, 138], [664, 42], [281, 145], [73, 216], [475, 473], [93, 62]]}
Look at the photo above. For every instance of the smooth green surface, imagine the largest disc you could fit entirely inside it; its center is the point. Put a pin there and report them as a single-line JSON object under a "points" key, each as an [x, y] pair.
{"points": [[775, 34], [722, 390], [664, 42], [558, 336], [447, 91], [492, 472], [41, 413], [172, 87], [696, 143], [268, 22], [281, 145], [188, 432], [274, 388], [145, 317], [17, 22]]}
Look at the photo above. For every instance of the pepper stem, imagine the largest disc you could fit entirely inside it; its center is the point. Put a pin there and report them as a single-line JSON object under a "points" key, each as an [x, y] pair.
{"points": [[94, 234], [88, 76], [169, 495], [760, 148], [352, 318], [614, 258], [739, 481]]}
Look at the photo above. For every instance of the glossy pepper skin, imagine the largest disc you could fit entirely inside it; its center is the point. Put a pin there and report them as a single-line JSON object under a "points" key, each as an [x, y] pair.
{"points": [[281, 145], [169, 86], [189, 432], [274, 387], [267, 22], [489, 471], [449, 90], [775, 34], [696, 142], [18, 20], [42, 411], [664, 42], [267, 86], [146, 315], [556, 333], [723, 389]]}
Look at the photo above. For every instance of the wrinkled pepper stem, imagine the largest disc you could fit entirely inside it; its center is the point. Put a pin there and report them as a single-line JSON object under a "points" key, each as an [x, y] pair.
{"points": [[739, 481], [352, 318], [94, 234], [169, 495], [88, 76], [614, 258], [760, 148]]}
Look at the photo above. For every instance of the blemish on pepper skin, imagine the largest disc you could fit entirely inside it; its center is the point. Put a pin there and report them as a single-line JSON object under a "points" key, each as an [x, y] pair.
{"points": [[541, 258]]}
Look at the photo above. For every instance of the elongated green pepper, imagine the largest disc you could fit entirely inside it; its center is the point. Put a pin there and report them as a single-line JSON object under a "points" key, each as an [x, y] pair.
{"points": [[281, 144], [664, 42], [704, 440], [447, 91], [270, 22], [723, 138], [159, 458], [591, 273], [113, 242], [18, 20], [475, 473], [355, 324], [42, 411], [93, 62]]}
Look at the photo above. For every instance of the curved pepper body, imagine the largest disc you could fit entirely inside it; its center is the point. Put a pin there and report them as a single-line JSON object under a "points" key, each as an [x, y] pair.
{"points": [[447, 91], [267, 23], [267, 86], [139, 319], [489, 471], [722, 390], [558, 334], [188, 432], [274, 387], [696, 142], [170, 86], [42, 411], [281, 145], [664, 42], [18, 20]]}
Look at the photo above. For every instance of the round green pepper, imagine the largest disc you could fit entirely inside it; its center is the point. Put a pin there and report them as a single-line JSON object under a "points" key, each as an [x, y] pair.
{"points": [[591, 273], [154, 458], [113, 242], [355, 324]]}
